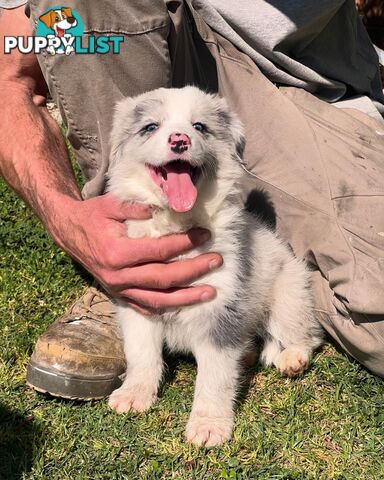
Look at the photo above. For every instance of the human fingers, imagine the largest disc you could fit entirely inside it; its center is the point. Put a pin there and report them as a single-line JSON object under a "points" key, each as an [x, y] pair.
{"points": [[117, 210], [160, 300], [166, 247], [140, 309], [167, 275]]}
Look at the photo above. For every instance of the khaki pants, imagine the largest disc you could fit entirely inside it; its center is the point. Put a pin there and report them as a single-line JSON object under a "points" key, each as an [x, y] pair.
{"points": [[321, 168]]}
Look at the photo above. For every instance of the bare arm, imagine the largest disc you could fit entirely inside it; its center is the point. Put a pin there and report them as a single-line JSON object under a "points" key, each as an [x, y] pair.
{"points": [[29, 137], [34, 162]]}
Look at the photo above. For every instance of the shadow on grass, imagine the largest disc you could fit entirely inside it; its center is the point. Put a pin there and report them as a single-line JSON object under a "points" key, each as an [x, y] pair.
{"points": [[19, 437], [172, 362], [84, 274], [250, 367]]}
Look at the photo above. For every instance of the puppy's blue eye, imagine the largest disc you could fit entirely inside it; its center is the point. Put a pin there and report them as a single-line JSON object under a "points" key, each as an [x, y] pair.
{"points": [[150, 127], [200, 127]]}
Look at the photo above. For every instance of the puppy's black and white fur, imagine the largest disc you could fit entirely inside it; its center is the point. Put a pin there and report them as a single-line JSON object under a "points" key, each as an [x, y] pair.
{"points": [[262, 289]]}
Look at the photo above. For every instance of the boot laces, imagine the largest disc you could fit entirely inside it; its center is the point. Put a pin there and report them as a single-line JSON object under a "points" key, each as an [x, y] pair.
{"points": [[94, 305]]}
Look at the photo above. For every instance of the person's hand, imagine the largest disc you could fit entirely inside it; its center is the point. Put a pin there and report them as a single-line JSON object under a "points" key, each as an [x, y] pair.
{"points": [[135, 269]]}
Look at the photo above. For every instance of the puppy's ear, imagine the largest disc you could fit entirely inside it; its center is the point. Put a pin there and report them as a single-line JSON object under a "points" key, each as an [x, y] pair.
{"points": [[123, 127], [230, 121], [237, 130], [48, 18], [124, 117], [67, 11]]}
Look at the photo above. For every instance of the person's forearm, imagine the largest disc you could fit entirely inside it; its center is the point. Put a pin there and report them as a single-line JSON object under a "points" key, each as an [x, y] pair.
{"points": [[33, 156], [35, 163]]}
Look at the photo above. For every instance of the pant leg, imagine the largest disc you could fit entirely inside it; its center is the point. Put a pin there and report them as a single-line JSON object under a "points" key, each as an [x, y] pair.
{"points": [[323, 170], [360, 335], [86, 87]]}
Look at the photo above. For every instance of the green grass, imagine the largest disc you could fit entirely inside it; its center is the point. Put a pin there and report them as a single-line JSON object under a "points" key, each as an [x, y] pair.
{"points": [[327, 425]]}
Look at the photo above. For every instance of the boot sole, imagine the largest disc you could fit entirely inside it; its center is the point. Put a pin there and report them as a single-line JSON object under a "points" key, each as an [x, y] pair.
{"points": [[58, 384]]}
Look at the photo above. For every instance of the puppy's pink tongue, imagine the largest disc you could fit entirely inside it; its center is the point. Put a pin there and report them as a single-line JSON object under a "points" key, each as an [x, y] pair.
{"points": [[178, 186]]}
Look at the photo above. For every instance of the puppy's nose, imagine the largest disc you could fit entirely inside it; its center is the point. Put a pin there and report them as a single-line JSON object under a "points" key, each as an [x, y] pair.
{"points": [[179, 142], [71, 20]]}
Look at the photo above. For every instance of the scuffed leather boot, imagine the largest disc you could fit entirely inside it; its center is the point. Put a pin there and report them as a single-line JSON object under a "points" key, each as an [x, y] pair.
{"points": [[81, 355]]}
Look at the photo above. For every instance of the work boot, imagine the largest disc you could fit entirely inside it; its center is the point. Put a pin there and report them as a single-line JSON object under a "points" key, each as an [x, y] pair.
{"points": [[81, 354]]}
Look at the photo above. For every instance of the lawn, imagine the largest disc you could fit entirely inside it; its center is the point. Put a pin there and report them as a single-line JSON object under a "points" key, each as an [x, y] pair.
{"points": [[326, 425]]}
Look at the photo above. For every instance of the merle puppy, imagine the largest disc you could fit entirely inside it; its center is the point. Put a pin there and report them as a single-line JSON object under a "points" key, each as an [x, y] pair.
{"points": [[180, 151]]}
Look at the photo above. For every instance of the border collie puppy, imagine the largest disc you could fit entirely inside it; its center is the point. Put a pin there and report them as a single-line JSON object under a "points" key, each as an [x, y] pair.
{"points": [[180, 150]]}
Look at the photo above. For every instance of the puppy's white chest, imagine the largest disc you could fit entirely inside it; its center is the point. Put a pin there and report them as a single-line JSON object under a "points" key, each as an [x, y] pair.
{"points": [[186, 329]]}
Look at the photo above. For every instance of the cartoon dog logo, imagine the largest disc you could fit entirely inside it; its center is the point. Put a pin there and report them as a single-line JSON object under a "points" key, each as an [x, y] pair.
{"points": [[59, 20]]}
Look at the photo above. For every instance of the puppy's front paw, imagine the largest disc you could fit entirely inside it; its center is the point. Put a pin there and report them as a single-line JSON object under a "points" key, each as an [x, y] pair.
{"points": [[136, 399], [209, 431], [292, 361]]}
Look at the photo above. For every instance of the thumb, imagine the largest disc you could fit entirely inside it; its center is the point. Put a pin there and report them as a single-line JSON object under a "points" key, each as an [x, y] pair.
{"points": [[121, 211]]}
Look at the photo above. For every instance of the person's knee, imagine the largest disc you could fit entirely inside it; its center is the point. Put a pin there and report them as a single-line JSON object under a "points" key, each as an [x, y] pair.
{"points": [[363, 340]]}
